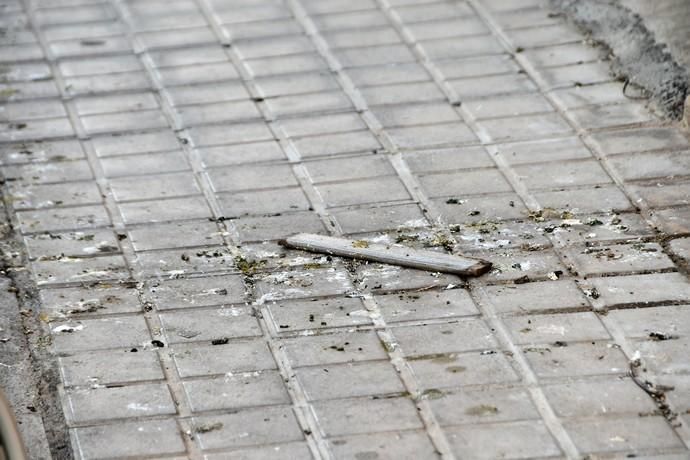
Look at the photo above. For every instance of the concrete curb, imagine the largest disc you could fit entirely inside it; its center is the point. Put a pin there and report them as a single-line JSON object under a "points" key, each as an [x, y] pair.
{"points": [[27, 377], [637, 56]]}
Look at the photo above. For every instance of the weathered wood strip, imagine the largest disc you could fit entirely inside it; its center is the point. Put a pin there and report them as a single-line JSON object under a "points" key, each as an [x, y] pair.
{"points": [[388, 254]]}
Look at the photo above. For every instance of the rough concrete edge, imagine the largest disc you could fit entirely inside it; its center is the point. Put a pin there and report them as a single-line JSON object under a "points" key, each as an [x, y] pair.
{"points": [[51, 438], [636, 55], [16, 369]]}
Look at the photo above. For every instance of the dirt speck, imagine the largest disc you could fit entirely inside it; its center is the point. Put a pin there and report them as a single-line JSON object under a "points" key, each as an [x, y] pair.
{"points": [[207, 427], [482, 410]]}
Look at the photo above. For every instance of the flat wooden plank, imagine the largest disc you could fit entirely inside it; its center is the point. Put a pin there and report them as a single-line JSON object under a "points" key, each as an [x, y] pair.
{"points": [[388, 254]]}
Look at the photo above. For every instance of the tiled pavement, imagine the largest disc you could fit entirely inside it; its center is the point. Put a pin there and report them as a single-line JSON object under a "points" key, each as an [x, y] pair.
{"points": [[154, 151]]}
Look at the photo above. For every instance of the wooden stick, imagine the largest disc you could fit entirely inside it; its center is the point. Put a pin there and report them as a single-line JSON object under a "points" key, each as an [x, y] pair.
{"points": [[388, 254]]}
